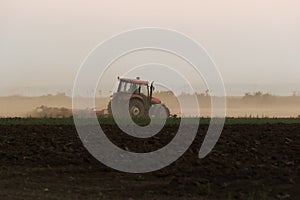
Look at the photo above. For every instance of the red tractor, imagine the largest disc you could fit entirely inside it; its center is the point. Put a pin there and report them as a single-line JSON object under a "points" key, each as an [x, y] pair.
{"points": [[139, 95]]}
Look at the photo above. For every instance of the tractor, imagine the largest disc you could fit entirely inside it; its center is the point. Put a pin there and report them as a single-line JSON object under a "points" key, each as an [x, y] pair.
{"points": [[139, 95]]}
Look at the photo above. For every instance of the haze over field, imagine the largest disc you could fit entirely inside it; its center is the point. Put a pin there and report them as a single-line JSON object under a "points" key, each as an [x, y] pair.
{"points": [[255, 44], [60, 105]]}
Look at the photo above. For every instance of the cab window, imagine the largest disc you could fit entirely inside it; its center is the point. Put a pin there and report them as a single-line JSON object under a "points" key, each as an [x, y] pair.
{"points": [[144, 89]]}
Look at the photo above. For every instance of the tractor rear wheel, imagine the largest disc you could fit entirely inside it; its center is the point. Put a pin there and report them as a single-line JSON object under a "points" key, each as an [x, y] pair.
{"points": [[137, 109]]}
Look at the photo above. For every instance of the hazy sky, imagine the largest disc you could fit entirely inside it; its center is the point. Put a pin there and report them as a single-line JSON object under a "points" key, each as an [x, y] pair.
{"points": [[255, 43]]}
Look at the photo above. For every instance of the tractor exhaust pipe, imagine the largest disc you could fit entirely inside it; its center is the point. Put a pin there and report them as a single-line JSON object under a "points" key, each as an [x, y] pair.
{"points": [[151, 91]]}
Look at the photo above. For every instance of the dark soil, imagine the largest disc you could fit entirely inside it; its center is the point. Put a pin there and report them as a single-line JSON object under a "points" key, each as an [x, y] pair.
{"points": [[248, 162]]}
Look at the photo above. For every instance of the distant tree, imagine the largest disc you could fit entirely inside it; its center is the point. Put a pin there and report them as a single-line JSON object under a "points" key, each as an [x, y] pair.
{"points": [[258, 94], [266, 95], [207, 92], [295, 93], [248, 94]]}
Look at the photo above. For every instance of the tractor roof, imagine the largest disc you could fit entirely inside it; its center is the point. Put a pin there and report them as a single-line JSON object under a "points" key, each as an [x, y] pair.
{"points": [[136, 81]]}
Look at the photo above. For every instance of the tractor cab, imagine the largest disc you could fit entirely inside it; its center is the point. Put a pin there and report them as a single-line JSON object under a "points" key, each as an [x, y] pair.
{"points": [[139, 94], [138, 88], [133, 86]]}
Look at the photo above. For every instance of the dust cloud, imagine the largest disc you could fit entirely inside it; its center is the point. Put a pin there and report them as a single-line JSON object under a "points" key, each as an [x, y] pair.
{"points": [[250, 105]]}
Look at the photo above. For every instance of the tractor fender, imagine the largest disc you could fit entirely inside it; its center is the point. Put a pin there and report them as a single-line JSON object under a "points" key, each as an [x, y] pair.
{"points": [[155, 100], [135, 96]]}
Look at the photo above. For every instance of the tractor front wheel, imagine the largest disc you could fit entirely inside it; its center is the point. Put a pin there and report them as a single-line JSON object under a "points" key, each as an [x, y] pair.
{"points": [[160, 111]]}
